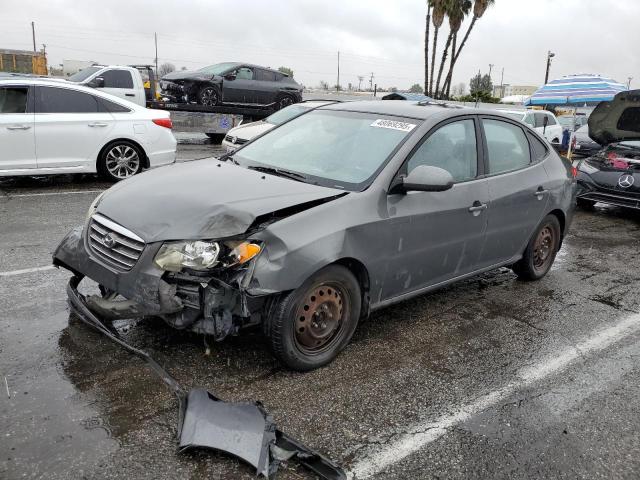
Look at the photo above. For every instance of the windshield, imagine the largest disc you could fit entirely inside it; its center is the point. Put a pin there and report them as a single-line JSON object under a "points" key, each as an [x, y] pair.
{"points": [[218, 68], [83, 74], [332, 148], [516, 115], [285, 114]]}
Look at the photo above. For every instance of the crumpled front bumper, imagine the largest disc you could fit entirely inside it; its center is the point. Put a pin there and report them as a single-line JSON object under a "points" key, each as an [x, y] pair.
{"points": [[201, 304]]}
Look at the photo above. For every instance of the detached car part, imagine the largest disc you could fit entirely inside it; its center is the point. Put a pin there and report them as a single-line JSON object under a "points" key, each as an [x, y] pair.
{"points": [[244, 430]]}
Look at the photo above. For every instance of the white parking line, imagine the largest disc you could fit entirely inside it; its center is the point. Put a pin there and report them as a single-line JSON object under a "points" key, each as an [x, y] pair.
{"points": [[11, 273], [70, 192], [423, 434]]}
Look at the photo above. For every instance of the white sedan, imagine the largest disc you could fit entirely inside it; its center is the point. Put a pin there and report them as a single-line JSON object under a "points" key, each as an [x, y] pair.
{"points": [[51, 127], [238, 136]]}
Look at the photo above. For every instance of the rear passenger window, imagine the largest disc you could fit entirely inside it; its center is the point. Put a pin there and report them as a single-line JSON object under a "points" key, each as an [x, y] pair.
{"points": [[551, 120], [13, 99], [111, 107], [540, 151], [451, 147], [507, 146], [266, 75], [63, 100], [117, 79]]}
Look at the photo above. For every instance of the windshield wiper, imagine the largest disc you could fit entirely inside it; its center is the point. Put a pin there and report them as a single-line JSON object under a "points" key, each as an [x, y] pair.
{"points": [[228, 156], [281, 173]]}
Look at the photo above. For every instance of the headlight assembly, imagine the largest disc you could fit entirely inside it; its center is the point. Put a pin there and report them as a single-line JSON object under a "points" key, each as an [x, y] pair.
{"points": [[587, 168], [204, 255]]}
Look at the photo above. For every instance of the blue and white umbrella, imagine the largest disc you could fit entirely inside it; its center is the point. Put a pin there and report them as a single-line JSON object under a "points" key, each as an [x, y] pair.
{"points": [[576, 90]]}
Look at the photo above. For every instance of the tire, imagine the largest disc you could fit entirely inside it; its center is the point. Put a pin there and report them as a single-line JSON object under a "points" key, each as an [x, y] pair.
{"points": [[120, 160], [309, 326], [584, 203], [208, 96], [541, 250], [283, 100], [215, 137]]}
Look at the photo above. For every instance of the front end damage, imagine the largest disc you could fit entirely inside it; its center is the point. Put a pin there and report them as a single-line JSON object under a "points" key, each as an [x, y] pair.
{"points": [[214, 303]]}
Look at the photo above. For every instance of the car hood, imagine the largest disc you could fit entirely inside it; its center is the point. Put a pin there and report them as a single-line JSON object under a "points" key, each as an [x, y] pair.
{"points": [[617, 120], [250, 130], [204, 199], [187, 75]]}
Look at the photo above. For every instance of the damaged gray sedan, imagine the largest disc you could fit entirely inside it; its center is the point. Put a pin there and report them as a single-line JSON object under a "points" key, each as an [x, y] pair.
{"points": [[334, 214]]}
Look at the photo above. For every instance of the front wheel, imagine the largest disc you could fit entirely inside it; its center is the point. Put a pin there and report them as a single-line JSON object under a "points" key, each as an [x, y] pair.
{"points": [[208, 97], [308, 327], [541, 250], [120, 160]]}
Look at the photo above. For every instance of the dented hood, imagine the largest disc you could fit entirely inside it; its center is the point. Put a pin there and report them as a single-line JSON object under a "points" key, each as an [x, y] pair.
{"points": [[204, 199], [617, 120]]}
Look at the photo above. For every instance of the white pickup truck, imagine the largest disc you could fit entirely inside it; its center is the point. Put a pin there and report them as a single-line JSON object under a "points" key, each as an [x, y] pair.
{"points": [[118, 80]]}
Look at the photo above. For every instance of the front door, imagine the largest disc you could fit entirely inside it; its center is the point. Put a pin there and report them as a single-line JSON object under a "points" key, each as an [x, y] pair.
{"points": [[439, 234], [242, 89], [518, 191], [17, 143], [70, 128]]}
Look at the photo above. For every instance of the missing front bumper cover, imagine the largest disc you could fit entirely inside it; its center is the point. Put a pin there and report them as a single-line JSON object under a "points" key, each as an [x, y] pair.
{"points": [[244, 430]]}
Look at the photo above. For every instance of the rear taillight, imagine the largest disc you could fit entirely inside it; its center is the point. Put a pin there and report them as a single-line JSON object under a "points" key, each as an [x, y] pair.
{"points": [[574, 172], [163, 122]]}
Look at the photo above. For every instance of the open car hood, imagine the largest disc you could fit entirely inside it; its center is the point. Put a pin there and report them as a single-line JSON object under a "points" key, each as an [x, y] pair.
{"points": [[617, 120], [204, 199]]}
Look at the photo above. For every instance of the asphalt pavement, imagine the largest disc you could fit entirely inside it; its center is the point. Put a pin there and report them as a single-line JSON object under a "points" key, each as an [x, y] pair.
{"points": [[490, 378]]}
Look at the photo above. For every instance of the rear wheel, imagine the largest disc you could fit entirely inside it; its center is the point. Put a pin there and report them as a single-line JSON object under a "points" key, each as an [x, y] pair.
{"points": [[208, 96], [283, 101], [541, 250], [308, 327], [120, 160], [584, 203]]}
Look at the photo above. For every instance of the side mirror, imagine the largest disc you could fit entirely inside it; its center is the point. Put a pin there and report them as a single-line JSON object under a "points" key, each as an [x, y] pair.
{"points": [[97, 82], [424, 178], [230, 76]]}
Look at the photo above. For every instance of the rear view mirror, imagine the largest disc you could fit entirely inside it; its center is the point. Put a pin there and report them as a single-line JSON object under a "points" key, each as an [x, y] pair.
{"points": [[425, 178], [97, 82]]}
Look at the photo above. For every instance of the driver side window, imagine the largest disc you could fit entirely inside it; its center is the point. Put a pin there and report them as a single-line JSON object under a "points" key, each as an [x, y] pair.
{"points": [[244, 73], [452, 148]]}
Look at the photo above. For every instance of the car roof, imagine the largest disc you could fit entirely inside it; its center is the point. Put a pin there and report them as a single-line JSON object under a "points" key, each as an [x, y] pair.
{"points": [[403, 108]]}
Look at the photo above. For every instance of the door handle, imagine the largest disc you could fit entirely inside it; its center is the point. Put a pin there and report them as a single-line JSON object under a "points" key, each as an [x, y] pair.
{"points": [[129, 94], [18, 127], [477, 207], [540, 192], [98, 124]]}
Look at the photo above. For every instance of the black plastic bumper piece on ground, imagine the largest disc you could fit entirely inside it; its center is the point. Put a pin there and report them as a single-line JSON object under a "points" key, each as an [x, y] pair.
{"points": [[244, 430]]}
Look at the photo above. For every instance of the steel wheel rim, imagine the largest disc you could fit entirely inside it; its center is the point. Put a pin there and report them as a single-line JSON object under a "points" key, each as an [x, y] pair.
{"points": [[209, 97], [543, 248], [320, 319], [122, 161], [285, 102]]}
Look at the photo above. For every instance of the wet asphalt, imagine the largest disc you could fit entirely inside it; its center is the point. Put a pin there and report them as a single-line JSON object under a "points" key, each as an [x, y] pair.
{"points": [[81, 407]]}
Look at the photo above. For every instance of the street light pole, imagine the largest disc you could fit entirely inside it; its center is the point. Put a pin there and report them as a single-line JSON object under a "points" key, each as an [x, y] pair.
{"points": [[629, 82], [550, 55]]}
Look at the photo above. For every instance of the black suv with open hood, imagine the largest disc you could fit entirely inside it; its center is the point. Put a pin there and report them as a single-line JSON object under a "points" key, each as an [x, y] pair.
{"points": [[232, 83], [612, 175]]}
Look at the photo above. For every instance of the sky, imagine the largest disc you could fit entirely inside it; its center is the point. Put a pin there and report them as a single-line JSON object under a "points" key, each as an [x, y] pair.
{"points": [[383, 37]]}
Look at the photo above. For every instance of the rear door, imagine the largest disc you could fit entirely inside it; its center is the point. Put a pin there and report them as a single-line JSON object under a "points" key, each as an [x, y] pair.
{"points": [[121, 83], [518, 190], [440, 234], [267, 86], [17, 142], [70, 127], [243, 89]]}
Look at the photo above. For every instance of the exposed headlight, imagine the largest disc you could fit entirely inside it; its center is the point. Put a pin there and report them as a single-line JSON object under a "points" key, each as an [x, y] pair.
{"points": [[587, 168], [204, 255]]}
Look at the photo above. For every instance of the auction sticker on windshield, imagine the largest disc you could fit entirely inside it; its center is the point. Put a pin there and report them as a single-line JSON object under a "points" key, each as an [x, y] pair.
{"points": [[403, 126]]}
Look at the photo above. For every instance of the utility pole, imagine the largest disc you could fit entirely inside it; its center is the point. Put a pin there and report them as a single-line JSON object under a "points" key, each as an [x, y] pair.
{"points": [[33, 34], [360, 78], [155, 36], [550, 55], [338, 84], [491, 65], [502, 83], [371, 83], [629, 82]]}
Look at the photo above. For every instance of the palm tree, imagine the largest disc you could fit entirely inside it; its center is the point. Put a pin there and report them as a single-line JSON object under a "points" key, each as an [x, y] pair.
{"points": [[426, 48], [456, 10], [438, 17], [479, 8]]}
